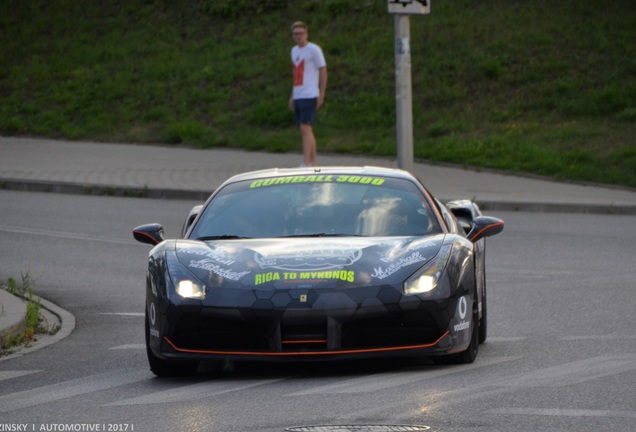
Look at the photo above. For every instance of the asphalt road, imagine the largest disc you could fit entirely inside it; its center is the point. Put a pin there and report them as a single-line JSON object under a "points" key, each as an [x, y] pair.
{"points": [[561, 353]]}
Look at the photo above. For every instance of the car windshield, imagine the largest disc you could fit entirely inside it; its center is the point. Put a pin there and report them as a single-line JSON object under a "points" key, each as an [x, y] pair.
{"points": [[316, 206]]}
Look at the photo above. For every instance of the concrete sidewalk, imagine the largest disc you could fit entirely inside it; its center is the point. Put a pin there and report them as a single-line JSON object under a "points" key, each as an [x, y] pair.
{"points": [[181, 173]]}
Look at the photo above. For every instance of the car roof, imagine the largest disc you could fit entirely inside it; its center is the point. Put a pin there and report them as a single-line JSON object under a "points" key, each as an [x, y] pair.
{"points": [[341, 170]]}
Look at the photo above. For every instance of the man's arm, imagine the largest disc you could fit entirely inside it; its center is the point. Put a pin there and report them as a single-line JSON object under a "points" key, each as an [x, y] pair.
{"points": [[322, 85]]}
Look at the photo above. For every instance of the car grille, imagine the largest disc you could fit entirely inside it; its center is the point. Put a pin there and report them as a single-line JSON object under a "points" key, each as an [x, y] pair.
{"points": [[206, 334], [388, 332]]}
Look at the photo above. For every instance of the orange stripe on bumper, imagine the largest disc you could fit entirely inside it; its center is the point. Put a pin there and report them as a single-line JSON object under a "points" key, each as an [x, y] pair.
{"points": [[310, 353]]}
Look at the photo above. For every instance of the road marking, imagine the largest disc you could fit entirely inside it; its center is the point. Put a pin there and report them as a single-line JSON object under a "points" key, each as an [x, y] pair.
{"points": [[562, 412], [572, 373], [129, 346], [193, 392], [381, 381], [555, 376], [62, 234], [5, 375], [569, 373], [68, 389]]}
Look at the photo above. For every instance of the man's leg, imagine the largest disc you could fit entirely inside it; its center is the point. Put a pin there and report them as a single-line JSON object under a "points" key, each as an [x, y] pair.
{"points": [[310, 154]]}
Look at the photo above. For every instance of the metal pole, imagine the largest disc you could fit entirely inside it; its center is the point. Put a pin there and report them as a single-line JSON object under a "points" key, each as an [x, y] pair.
{"points": [[403, 93]]}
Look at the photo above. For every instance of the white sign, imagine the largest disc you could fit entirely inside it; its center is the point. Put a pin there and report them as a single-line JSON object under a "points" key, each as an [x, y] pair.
{"points": [[416, 7]]}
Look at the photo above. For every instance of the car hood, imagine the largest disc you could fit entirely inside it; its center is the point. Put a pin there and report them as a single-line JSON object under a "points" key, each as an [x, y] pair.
{"points": [[306, 262]]}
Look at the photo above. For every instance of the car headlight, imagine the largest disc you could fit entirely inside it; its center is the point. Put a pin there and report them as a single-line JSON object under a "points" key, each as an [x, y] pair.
{"points": [[186, 284], [426, 278], [190, 289]]}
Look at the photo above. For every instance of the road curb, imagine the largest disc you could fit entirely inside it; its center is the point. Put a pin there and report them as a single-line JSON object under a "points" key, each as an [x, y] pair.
{"points": [[528, 207], [101, 190], [52, 314], [200, 195]]}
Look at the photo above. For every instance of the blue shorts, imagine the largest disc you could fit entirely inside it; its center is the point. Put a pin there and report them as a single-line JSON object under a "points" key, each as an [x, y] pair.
{"points": [[304, 110]]}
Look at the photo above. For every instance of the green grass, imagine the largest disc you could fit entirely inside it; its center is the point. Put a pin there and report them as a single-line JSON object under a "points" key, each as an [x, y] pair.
{"points": [[33, 324], [545, 87]]}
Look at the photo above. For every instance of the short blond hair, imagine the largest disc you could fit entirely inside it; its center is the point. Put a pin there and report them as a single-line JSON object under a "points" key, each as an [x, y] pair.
{"points": [[299, 24]]}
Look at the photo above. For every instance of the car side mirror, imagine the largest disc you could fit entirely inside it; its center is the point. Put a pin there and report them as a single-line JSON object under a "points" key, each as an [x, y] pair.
{"points": [[151, 234], [485, 226]]}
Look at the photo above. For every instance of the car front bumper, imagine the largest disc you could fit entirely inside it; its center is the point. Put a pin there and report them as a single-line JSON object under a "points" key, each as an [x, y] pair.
{"points": [[364, 322]]}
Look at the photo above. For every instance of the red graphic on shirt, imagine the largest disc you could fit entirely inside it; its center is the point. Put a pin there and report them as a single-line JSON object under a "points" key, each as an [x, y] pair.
{"points": [[299, 73]]}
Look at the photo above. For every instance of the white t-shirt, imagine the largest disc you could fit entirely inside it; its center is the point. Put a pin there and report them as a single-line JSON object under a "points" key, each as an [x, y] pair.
{"points": [[306, 62]]}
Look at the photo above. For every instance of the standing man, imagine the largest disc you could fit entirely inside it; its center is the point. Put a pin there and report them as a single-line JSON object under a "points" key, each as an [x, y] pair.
{"points": [[310, 86]]}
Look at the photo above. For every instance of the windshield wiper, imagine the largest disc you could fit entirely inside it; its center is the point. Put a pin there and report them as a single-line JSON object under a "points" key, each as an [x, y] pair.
{"points": [[222, 237]]}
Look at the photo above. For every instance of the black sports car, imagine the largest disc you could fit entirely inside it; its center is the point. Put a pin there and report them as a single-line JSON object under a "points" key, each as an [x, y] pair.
{"points": [[318, 263]]}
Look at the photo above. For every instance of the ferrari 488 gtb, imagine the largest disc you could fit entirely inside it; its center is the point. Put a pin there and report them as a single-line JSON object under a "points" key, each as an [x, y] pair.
{"points": [[318, 263]]}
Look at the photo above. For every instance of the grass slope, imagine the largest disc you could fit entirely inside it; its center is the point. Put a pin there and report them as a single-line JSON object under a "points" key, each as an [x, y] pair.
{"points": [[539, 86]]}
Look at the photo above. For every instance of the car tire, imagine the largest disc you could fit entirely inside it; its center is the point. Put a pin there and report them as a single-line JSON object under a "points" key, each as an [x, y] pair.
{"points": [[166, 368], [470, 354], [483, 321]]}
